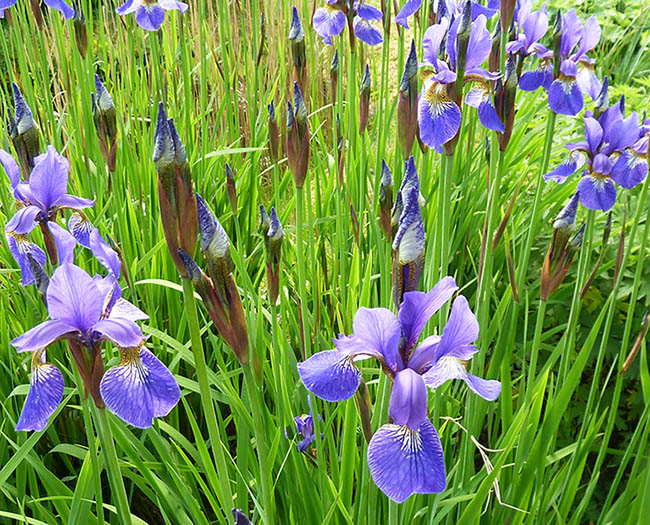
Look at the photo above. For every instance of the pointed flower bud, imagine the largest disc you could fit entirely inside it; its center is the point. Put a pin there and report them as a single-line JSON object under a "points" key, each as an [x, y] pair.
{"points": [[41, 280], [80, 35], [265, 221], [364, 101], [23, 133], [407, 110], [226, 310], [104, 115], [507, 12], [297, 38], [386, 199], [274, 236], [495, 51], [298, 137], [334, 75], [462, 42], [274, 149], [602, 102], [557, 43], [562, 249], [231, 189], [506, 102], [409, 241], [175, 190]]}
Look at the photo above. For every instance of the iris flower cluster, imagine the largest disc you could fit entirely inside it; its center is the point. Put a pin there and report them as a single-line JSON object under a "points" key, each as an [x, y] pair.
{"points": [[405, 456], [150, 14], [58, 5], [446, 8], [438, 110], [566, 72], [330, 21], [615, 148]]}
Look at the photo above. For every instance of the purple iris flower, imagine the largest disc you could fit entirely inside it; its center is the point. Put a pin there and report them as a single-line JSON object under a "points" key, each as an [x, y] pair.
{"points": [[59, 5], [576, 70], [88, 311], [45, 192], [615, 149], [451, 8], [305, 428], [405, 456], [531, 28], [439, 116], [150, 14], [329, 21]]}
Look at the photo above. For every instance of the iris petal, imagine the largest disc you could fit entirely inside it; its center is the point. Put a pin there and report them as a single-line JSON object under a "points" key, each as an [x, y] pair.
{"points": [[150, 17], [565, 97], [404, 461], [449, 367], [408, 399], [461, 329], [330, 375], [328, 22], [139, 388], [418, 307], [438, 116], [379, 330], [42, 335], [408, 9], [74, 298], [366, 32], [597, 193], [20, 247], [629, 170], [45, 394]]}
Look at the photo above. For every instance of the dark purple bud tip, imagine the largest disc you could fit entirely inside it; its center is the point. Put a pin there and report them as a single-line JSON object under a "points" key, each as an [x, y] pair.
{"points": [[240, 517], [265, 221], [410, 69], [192, 269], [365, 82], [334, 66], [271, 109], [296, 32], [229, 173], [290, 117], [276, 232], [567, 217], [163, 150], [299, 103]]}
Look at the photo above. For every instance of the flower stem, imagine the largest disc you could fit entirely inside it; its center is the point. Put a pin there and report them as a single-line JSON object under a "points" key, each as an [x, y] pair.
{"points": [[302, 291], [204, 389], [262, 454], [112, 466]]}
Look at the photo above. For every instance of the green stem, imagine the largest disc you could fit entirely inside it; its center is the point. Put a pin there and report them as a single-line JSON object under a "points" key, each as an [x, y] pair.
{"points": [[112, 466], [302, 291], [204, 389], [267, 511]]}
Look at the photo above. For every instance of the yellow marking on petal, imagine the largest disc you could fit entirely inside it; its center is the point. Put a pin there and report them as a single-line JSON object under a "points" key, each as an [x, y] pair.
{"points": [[436, 96], [36, 359], [130, 356]]}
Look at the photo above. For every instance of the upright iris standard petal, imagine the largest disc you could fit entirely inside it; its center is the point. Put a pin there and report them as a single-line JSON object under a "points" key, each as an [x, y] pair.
{"points": [[330, 375], [403, 461], [461, 328], [49, 178], [378, 331], [74, 298], [438, 116], [408, 9], [65, 242], [139, 388], [329, 21], [418, 307], [45, 394], [408, 399], [108, 257], [433, 38]]}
